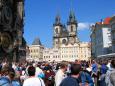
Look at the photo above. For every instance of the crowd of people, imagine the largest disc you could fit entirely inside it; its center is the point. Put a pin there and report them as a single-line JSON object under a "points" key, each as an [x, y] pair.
{"points": [[78, 73]]}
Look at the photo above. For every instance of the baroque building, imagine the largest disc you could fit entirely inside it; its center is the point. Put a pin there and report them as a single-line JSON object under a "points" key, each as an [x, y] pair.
{"points": [[12, 42], [76, 51], [51, 54], [36, 50], [66, 44]]}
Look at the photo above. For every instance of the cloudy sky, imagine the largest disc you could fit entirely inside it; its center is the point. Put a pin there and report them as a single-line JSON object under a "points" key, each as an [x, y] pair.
{"points": [[40, 16]]}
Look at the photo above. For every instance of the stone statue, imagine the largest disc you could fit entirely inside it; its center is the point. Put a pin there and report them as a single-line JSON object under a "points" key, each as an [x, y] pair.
{"points": [[19, 21], [5, 13], [19, 16]]}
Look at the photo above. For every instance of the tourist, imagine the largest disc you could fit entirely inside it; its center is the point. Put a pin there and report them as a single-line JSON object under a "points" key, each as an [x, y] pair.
{"points": [[86, 78], [94, 72], [72, 80], [32, 80], [8, 77], [103, 71], [60, 75], [110, 77]]}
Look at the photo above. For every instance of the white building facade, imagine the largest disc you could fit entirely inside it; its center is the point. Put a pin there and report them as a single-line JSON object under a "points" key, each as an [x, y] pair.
{"points": [[51, 54], [85, 51], [81, 51], [101, 38], [69, 52], [77, 51]]}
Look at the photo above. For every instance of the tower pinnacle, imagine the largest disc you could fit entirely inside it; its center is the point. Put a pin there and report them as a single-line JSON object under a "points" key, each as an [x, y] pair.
{"points": [[57, 20], [72, 19]]}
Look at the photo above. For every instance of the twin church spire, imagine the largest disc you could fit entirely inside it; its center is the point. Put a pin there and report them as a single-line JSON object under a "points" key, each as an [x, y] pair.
{"points": [[71, 19], [57, 20], [65, 34]]}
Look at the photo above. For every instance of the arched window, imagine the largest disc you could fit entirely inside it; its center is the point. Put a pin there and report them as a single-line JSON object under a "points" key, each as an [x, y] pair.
{"points": [[71, 28], [56, 30]]}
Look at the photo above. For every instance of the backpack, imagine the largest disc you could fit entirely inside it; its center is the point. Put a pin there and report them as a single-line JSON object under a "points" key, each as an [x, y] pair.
{"points": [[86, 77], [15, 83]]}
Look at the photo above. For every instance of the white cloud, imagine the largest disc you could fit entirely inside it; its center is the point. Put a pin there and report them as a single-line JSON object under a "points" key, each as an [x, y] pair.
{"points": [[84, 25]]}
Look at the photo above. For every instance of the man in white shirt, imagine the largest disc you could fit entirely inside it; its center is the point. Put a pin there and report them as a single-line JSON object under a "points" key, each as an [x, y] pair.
{"points": [[109, 64], [32, 80], [60, 75]]}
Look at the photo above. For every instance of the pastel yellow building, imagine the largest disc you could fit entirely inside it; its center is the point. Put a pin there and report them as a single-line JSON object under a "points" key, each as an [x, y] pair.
{"points": [[36, 50]]}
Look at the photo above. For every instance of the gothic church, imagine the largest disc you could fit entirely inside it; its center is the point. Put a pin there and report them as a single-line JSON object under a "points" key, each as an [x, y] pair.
{"points": [[65, 35]]}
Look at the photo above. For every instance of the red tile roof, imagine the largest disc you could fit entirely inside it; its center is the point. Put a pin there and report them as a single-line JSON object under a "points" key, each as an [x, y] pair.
{"points": [[107, 20]]}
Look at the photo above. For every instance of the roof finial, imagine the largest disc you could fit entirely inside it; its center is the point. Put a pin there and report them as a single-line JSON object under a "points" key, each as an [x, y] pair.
{"points": [[57, 19], [72, 18], [71, 6]]}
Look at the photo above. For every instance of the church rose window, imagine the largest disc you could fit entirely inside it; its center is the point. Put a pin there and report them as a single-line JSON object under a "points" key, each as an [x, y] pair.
{"points": [[64, 41]]}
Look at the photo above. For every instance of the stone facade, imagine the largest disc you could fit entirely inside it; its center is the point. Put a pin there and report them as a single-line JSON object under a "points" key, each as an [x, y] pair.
{"points": [[65, 35], [12, 43]]}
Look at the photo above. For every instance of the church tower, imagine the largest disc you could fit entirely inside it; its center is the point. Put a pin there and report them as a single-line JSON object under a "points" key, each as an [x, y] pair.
{"points": [[57, 32], [72, 28]]}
